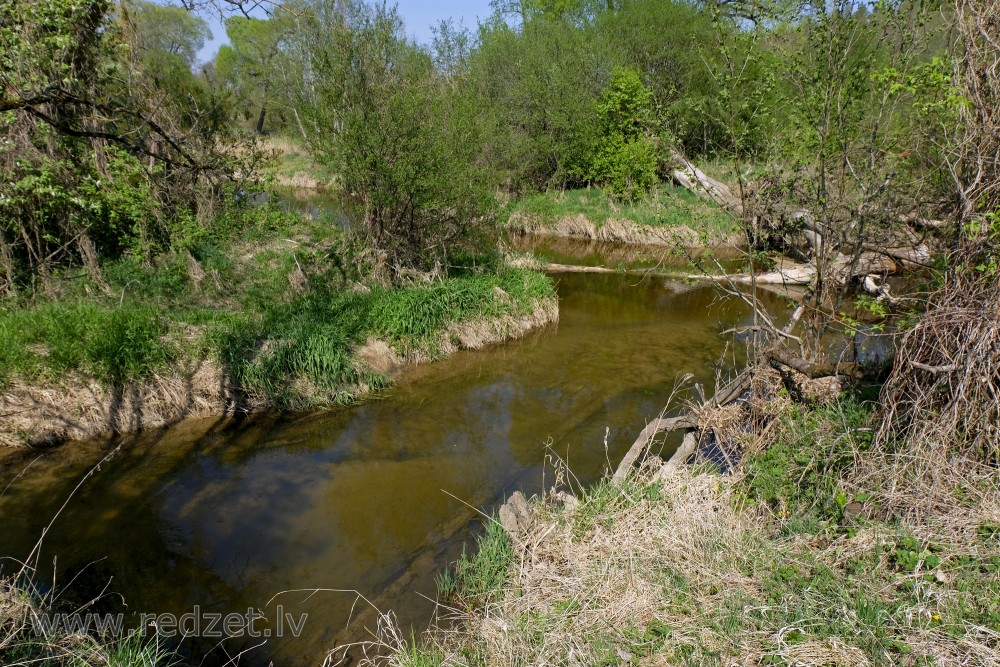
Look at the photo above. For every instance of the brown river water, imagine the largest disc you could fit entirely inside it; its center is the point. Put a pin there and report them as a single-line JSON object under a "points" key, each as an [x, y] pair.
{"points": [[377, 498]]}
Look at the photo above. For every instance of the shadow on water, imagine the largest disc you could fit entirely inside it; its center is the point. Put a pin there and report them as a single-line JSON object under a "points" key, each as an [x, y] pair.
{"points": [[375, 498]]}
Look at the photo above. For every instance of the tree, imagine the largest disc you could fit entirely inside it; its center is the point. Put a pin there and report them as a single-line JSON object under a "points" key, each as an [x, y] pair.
{"points": [[624, 158], [537, 88], [170, 29], [263, 70], [404, 141], [95, 162]]}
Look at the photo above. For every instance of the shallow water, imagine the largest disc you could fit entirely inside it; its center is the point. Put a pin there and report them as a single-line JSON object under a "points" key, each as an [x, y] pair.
{"points": [[376, 498]]}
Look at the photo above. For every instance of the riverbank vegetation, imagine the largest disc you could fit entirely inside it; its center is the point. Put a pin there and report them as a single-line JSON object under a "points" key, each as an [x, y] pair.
{"points": [[796, 557], [856, 137], [23, 609], [667, 207], [277, 313]]}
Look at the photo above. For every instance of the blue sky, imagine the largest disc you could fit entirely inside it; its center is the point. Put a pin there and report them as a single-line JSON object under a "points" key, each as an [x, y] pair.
{"points": [[418, 15]]}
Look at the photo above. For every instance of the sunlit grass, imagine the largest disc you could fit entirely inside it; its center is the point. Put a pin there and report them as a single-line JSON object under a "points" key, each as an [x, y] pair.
{"points": [[666, 206]]}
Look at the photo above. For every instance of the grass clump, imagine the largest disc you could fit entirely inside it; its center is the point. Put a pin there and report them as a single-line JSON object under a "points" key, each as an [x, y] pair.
{"points": [[111, 343], [666, 206], [480, 578], [312, 337], [24, 642]]}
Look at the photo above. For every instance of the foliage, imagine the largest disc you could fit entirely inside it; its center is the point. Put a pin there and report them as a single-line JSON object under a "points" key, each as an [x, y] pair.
{"points": [[813, 448], [99, 155], [170, 29], [259, 70], [624, 157], [537, 87], [404, 144]]}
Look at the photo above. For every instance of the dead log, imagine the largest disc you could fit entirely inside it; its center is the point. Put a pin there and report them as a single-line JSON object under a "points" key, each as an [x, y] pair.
{"points": [[814, 370], [646, 437], [706, 187], [685, 451]]}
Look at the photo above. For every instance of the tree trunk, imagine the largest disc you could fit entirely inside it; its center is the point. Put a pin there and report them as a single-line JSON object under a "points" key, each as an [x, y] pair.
{"points": [[260, 119]]}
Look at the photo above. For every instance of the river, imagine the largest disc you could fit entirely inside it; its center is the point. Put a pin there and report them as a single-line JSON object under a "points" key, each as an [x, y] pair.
{"points": [[377, 497]]}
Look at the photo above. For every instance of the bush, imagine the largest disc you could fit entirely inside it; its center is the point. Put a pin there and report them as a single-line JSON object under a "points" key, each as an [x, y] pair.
{"points": [[624, 158]]}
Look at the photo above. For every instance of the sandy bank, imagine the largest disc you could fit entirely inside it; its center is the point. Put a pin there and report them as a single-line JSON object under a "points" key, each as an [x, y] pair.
{"points": [[621, 230], [79, 407]]}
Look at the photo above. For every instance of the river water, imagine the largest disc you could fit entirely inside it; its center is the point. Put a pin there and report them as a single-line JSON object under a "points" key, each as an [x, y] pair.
{"points": [[378, 497]]}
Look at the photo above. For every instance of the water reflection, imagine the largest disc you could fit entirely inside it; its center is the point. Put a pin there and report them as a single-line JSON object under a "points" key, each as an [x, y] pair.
{"points": [[377, 497]]}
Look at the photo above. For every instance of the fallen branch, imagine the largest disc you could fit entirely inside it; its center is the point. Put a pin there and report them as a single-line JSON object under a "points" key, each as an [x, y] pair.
{"points": [[646, 438], [814, 370], [950, 368]]}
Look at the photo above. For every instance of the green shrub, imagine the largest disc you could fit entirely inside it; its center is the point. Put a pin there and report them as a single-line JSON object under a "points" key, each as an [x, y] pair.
{"points": [[624, 158]]}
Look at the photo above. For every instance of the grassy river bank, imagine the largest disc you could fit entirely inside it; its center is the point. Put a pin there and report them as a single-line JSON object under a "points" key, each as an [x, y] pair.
{"points": [[806, 554], [278, 312]]}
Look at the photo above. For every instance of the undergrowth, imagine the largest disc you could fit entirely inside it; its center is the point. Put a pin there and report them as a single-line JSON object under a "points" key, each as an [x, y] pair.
{"points": [[278, 299]]}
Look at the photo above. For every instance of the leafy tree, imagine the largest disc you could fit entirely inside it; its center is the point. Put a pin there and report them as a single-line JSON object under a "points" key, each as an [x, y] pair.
{"points": [[170, 29], [167, 41], [94, 162], [405, 144], [263, 71], [672, 44], [537, 88], [625, 156]]}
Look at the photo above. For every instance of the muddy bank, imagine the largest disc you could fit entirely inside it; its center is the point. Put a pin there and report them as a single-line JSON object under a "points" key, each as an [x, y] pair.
{"points": [[620, 230], [80, 407]]}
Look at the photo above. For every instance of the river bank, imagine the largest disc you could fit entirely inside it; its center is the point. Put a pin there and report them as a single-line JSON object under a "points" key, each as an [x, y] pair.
{"points": [[279, 313], [669, 216], [799, 555], [78, 407], [376, 497]]}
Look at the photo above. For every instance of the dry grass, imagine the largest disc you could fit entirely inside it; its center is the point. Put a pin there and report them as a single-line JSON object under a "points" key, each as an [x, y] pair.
{"points": [[780, 562], [23, 643], [672, 568]]}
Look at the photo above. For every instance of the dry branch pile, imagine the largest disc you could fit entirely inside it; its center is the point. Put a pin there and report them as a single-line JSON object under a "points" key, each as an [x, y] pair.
{"points": [[940, 427]]}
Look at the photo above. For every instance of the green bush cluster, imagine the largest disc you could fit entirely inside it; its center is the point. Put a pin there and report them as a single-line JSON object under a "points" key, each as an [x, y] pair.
{"points": [[624, 157]]}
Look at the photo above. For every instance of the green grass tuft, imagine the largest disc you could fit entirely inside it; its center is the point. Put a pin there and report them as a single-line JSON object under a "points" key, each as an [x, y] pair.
{"points": [[482, 577], [112, 343]]}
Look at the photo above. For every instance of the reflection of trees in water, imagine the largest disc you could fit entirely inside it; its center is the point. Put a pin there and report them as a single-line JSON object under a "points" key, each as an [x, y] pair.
{"points": [[354, 497]]}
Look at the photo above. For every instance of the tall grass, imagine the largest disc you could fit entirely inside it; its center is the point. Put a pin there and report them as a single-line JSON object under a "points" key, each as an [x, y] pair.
{"points": [[479, 578], [667, 206], [111, 343], [312, 336], [21, 644]]}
